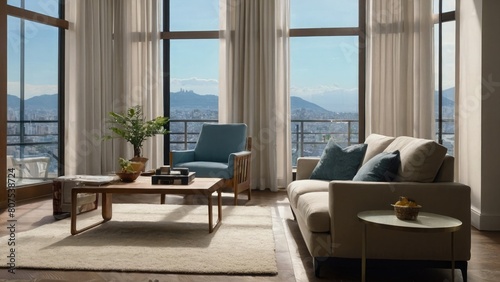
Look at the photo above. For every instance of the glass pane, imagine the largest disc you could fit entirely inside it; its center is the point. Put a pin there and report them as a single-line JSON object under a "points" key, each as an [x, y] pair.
{"points": [[14, 67], [32, 128], [448, 76], [194, 15], [324, 92], [194, 89], [46, 7], [448, 6], [323, 13], [15, 3]]}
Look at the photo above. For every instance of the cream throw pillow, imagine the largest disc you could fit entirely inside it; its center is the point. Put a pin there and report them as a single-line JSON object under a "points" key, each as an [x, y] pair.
{"points": [[420, 158], [376, 145]]}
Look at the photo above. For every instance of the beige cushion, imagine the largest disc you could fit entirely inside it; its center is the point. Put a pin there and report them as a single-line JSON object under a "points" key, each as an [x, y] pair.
{"points": [[376, 145], [314, 209], [420, 158], [300, 187]]}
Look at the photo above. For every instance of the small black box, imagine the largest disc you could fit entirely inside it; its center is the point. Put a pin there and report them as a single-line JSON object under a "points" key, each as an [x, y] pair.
{"points": [[173, 179], [181, 170]]}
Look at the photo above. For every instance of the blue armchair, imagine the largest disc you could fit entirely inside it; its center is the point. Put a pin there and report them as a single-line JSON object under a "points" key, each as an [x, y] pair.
{"points": [[222, 150]]}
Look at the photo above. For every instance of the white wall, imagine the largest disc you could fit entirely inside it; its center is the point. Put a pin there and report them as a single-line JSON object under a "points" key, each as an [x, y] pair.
{"points": [[478, 114]]}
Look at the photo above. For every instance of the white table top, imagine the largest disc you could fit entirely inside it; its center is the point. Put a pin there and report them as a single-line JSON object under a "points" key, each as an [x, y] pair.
{"points": [[425, 222]]}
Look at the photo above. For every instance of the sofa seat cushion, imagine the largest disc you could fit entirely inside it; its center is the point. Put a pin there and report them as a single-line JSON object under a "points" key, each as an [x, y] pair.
{"points": [[313, 207], [300, 187], [420, 158]]}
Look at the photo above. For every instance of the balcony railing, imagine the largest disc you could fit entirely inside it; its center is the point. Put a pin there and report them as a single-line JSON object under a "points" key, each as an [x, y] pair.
{"points": [[33, 138], [309, 137]]}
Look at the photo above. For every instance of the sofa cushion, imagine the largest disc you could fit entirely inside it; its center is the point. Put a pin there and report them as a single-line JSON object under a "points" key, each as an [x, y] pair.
{"points": [[420, 158], [314, 209], [338, 163], [299, 187], [376, 144], [382, 167]]}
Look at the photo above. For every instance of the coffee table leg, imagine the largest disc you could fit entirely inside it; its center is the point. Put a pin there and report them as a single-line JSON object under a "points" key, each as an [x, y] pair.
{"points": [[363, 255], [106, 211], [74, 205], [211, 226], [219, 203], [210, 214]]}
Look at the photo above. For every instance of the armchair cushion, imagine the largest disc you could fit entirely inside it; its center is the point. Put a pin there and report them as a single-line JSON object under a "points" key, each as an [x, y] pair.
{"points": [[217, 141], [208, 169]]}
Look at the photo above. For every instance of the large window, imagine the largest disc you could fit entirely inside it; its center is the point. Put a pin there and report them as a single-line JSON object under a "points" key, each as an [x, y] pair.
{"points": [[34, 91], [327, 71], [326, 67], [444, 47], [192, 85]]}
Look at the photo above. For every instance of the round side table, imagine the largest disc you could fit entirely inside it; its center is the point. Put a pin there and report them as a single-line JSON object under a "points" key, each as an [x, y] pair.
{"points": [[425, 223]]}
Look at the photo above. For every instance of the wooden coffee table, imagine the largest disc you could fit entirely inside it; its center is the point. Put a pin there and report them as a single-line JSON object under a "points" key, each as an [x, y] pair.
{"points": [[199, 186]]}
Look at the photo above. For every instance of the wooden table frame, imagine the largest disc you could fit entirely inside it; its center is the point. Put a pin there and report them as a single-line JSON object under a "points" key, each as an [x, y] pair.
{"points": [[427, 223], [200, 186]]}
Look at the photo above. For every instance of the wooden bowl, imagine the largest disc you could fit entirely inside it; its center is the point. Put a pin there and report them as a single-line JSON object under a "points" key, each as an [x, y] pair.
{"points": [[406, 212], [128, 176]]}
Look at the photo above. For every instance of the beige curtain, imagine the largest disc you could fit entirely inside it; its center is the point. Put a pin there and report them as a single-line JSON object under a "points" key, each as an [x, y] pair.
{"points": [[254, 83], [104, 75], [89, 85], [400, 84], [137, 67]]}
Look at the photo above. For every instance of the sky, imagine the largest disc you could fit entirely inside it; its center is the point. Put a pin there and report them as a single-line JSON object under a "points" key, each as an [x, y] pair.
{"points": [[318, 65], [41, 51]]}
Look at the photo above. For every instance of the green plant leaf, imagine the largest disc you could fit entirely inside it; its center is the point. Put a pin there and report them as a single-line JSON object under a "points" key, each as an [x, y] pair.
{"points": [[132, 126]]}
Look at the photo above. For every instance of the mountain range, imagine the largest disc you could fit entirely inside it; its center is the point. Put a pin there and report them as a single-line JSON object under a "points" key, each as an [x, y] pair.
{"points": [[188, 100], [45, 102]]}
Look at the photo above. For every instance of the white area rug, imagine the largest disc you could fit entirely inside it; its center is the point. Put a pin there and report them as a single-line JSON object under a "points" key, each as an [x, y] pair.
{"points": [[156, 238]]}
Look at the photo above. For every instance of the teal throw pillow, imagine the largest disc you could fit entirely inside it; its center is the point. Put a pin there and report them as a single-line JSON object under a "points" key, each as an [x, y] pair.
{"points": [[338, 163], [381, 168]]}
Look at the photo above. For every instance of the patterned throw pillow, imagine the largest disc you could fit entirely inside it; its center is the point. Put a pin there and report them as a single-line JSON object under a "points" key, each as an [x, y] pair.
{"points": [[338, 163]]}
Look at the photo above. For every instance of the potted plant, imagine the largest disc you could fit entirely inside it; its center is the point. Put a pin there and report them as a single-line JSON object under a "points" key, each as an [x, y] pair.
{"points": [[133, 127]]}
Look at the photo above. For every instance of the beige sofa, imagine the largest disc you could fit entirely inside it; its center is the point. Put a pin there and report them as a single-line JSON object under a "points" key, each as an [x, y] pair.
{"points": [[326, 211]]}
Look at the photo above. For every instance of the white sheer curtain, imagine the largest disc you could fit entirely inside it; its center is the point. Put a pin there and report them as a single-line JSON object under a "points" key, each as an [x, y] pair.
{"points": [[254, 83], [104, 75], [400, 84]]}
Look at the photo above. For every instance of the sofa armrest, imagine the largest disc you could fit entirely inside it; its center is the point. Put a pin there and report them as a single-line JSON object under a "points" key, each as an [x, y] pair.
{"points": [[305, 166], [348, 198]]}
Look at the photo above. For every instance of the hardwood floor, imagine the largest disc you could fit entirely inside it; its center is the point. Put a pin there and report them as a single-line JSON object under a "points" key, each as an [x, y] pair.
{"points": [[294, 262]]}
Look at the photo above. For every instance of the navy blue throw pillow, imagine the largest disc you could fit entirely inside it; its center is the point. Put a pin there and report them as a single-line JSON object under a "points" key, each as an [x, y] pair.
{"points": [[381, 168], [338, 163]]}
